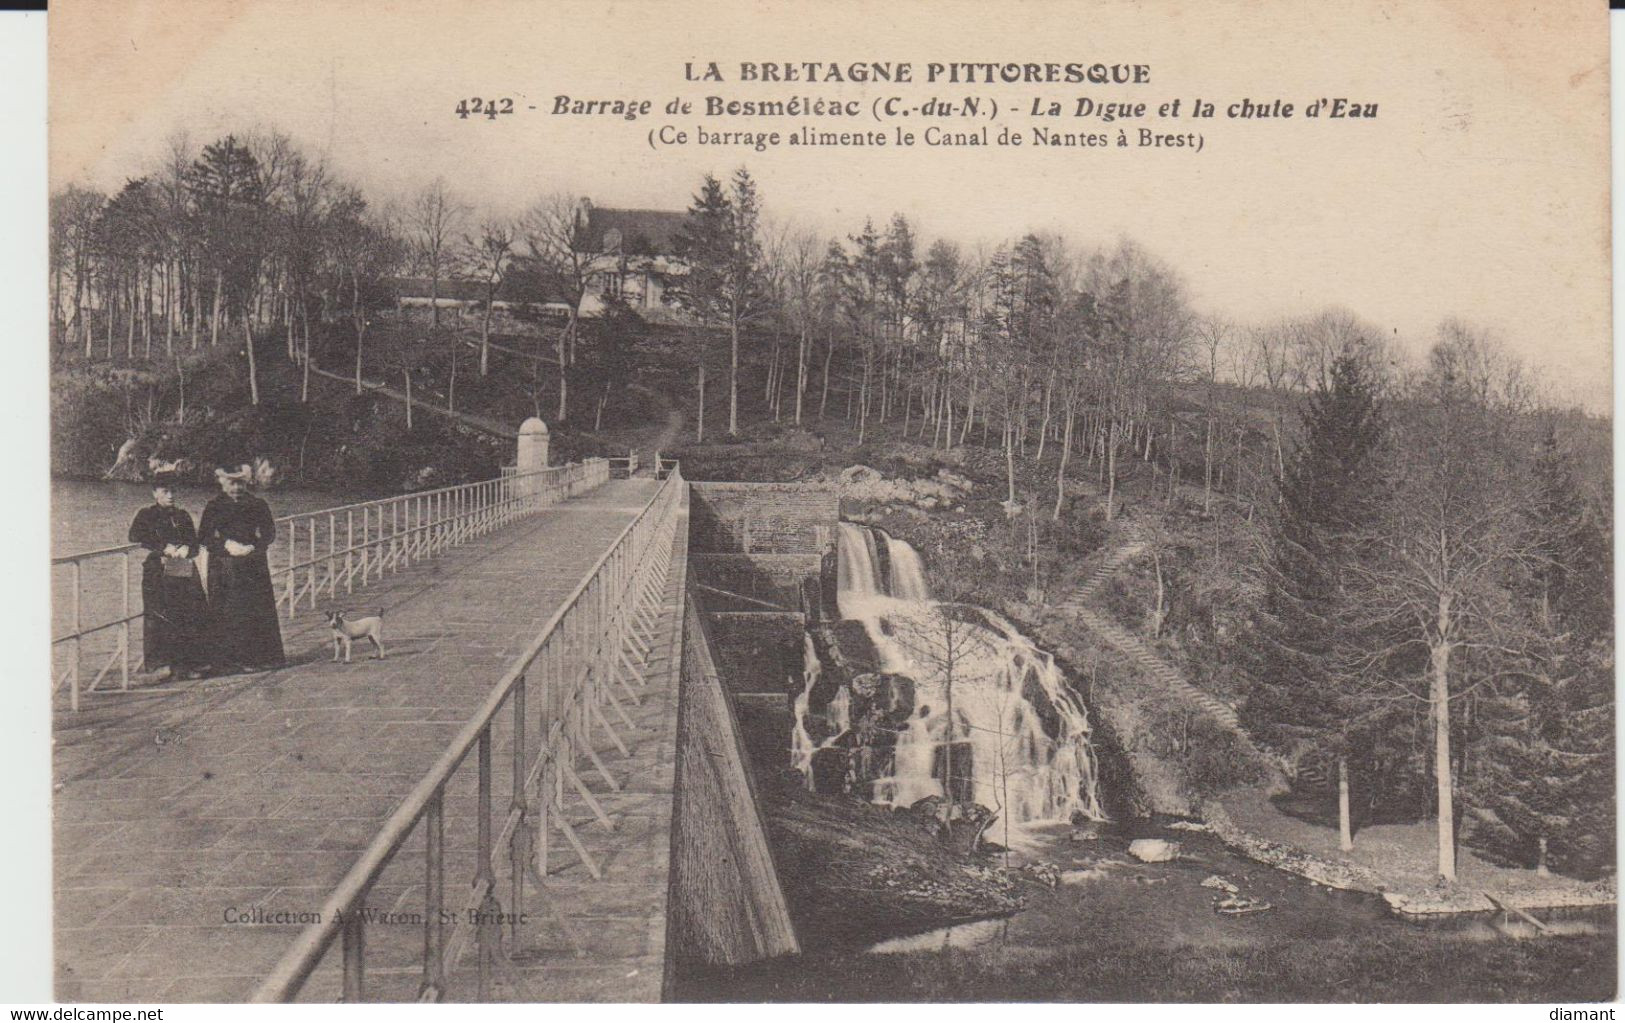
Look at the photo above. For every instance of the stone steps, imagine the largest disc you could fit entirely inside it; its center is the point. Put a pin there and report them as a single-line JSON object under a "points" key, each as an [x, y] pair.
{"points": [[1135, 649], [1113, 564]]}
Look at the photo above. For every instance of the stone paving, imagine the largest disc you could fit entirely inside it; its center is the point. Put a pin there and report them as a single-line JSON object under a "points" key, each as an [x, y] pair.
{"points": [[180, 806]]}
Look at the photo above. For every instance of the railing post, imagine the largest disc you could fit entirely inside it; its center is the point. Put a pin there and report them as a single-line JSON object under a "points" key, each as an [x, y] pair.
{"points": [[312, 561], [434, 883], [332, 562], [124, 668], [516, 806], [349, 551], [483, 878], [74, 650], [354, 952], [293, 559]]}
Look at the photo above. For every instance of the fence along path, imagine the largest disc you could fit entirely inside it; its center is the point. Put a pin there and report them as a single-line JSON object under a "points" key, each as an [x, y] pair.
{"points": [[573, 685], [315, 555], [256, 794]]}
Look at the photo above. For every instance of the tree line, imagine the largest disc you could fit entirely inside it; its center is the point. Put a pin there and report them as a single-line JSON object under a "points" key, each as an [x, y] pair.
{"points": [[1436, 619], [1439, 609], [249, 240]]}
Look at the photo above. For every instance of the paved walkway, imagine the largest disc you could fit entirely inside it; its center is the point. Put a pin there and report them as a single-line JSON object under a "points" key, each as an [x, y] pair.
{"points": [[176, 809]]}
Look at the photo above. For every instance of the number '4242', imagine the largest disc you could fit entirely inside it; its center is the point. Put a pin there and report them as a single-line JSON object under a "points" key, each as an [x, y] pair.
{"points": [[490, 108]]}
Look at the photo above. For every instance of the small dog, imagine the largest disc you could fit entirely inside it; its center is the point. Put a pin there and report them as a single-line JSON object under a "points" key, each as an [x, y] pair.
{"points": [[347, 630]]}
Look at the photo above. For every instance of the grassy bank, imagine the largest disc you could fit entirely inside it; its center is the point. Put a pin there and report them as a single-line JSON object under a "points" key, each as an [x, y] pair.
{"points": [[316, 430]]}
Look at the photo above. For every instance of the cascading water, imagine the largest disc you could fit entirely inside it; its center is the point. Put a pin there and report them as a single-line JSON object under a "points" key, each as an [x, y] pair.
{"points": [[907, 571], [1018, 741]]}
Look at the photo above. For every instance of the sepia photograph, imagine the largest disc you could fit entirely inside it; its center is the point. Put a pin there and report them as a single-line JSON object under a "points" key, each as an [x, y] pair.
{"points": [[751, 501]]}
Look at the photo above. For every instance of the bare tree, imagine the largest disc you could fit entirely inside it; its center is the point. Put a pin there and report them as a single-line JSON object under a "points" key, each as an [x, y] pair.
{"points": [[1144, 335], [1212, 334], [74, 212], [802, 256], [364, 248], [434, 217], [488, 257], [555, 232], [943, 643], [1434, 577]]}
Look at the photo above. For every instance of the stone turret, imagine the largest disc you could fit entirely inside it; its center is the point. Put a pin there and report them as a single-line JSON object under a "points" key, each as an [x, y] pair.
{"points": [[533, 442]]}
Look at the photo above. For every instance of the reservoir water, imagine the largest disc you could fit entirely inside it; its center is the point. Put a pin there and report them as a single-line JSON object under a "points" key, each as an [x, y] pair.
{"points": [[89, 515]]}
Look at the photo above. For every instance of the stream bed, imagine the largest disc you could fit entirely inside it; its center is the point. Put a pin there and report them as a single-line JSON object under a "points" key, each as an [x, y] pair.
{"points": [[1118, 929]]}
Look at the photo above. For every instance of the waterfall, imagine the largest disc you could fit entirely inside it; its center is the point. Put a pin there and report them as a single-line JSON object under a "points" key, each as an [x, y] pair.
{"points": [[1019, 738], [857, 571], [801, 741], [837, 716], [907, 571]]}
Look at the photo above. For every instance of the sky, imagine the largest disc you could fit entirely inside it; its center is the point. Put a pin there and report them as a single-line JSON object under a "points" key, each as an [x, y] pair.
{"points": [[1479, 191]]}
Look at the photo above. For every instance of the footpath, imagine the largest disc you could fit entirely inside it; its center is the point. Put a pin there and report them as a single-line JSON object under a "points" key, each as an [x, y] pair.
{"points": [[186, 813]]}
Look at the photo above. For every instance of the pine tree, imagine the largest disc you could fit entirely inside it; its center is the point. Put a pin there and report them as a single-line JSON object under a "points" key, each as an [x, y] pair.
{"points": [[721, 283], [744, 290], [1302, 701], [1543, 787], [703, 246]]}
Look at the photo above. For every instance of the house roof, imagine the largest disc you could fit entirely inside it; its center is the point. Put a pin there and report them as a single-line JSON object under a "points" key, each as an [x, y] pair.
{"points": [[636, 232]]}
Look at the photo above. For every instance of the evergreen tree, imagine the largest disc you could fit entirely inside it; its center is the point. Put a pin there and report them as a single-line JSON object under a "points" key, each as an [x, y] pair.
{"points": [[1302, 701], [1543, 785], [744, 286], [703, 246], [722, 280]]}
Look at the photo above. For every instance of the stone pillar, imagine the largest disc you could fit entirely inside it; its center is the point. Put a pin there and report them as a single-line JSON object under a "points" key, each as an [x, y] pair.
{"points": [[532, 445], [532, 455]]}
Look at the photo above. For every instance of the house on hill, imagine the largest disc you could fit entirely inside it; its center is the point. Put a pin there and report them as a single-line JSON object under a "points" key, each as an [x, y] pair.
{"points": [[634, 252], [631, 255]]}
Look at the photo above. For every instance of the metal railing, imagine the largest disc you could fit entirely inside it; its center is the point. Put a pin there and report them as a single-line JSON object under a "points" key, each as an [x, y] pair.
{"points": [[624, 468], [549, 709], [346, 547]]}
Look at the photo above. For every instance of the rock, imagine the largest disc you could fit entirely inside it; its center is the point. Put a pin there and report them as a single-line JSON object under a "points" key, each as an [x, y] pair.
{"points": [[1084, 834], [801, 440], [854, 872], [1153, 850], [966, 826], [1215, 881], [860, 474], [953, 479], [1047, 874], [930, 806], [830, 766], [1239, 905]]}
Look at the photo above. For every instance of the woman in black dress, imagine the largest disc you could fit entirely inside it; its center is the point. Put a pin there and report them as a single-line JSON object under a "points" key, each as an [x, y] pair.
{"points": [[237, 529], [173, 611]]}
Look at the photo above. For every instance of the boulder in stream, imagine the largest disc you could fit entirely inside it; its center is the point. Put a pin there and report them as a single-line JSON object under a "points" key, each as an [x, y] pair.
{"points": [[1153, 850], [855, 873]]}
